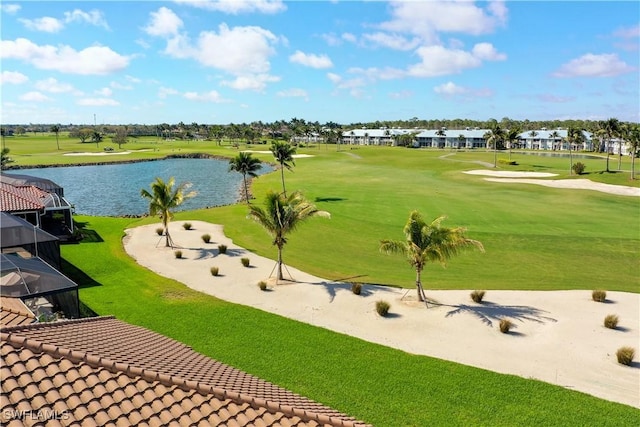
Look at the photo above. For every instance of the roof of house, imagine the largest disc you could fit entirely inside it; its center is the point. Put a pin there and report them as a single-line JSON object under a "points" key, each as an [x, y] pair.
{"points": [[14, 312], [18, 180], [101, 371], [20, 199]]}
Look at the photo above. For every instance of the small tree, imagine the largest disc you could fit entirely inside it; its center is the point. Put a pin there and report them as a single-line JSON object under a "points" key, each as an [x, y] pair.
{"points": [[283, 154], [246, 165], [56, 130], [426, 242], [163, 198], [121, 136]]}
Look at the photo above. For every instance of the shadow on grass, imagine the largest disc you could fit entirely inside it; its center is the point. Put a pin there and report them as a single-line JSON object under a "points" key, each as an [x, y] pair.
{"points": [[77, 275], [88, 235], [489, 312], [329, 199]]}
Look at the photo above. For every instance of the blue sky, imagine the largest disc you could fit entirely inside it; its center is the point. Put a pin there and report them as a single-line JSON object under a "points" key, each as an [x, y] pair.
{"points": [[344, 61]]}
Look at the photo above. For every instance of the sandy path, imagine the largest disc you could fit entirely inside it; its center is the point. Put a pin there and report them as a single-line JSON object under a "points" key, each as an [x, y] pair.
{"points": [[559, 336]]}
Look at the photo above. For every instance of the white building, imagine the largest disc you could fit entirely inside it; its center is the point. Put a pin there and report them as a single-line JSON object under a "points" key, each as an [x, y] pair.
{"points": [[556, 139]]}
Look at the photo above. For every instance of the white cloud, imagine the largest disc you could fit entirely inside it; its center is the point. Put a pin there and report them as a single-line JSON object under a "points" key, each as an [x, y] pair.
{"points": [[164, 91], [628, 32], [451, 89], [428, 18], [235, 7], [212, 96], [105, 91], [293, 93], [256, 82], [54, 86], [332, 39], [590, 65], [13, 77], [94, 60], [98, 102], [34, 97], [403, 94], [487, 52], [132, 79], [311, 60], [46, 24], [116, 85], [547, 97], [440, 61], [10, 8], [93, 17], [392, 41], [349, 37], [164, 23]]}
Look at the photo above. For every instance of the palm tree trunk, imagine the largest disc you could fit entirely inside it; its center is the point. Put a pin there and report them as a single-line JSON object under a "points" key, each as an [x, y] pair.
{"points": [[495, 155], [570, 160], [284, 191], [633, 165], [279, 270], [620, 155], [246, 189], [421, 296]]}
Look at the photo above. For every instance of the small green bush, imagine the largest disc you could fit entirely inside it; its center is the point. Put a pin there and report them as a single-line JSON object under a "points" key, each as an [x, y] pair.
{"points": [[505, 325], [382, 307], [245, 262], [625, 355], [578, 168], [262, 285], [186, 226], [222, 249], [611, 321], [159, 231], [477, 296], [206, 238], [599, 295], [178, 254], [507, 162], [214, 271], [356, 288]]}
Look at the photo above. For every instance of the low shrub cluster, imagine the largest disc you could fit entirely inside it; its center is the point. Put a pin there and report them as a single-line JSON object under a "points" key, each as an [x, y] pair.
{"points": [[507, 162], [382, 307], [477, 296], [245, 262], [356, 288], [578, 168], [611, 321], [186, 226], [206, 238], [506, 325], [214, 271], [159, 231], [178, 254], [222, 249], [625, 355], [599, 295], [262, 285]]}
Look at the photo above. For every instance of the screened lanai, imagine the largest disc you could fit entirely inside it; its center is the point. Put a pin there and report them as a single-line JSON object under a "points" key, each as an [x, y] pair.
{"points": [[41, 287], [20, 236]]}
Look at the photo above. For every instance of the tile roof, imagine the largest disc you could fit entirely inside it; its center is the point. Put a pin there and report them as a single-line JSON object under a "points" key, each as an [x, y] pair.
{"points": [[19, 199], [13, 312], [102, 371]]}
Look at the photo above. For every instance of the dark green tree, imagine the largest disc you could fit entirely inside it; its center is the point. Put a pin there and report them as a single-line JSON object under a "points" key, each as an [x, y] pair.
{"points": [[246, 164]]}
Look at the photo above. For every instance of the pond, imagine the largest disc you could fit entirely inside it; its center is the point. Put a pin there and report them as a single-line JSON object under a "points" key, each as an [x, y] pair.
{"points": [[563, 154], [114, 189]]}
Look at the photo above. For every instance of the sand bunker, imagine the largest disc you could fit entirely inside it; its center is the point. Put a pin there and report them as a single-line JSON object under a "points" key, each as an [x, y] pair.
{"points": [[559, 337], [104, 153], [513, 177]]}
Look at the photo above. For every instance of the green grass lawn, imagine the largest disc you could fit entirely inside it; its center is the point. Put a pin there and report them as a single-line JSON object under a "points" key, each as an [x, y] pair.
{"points": [[535, 238]]}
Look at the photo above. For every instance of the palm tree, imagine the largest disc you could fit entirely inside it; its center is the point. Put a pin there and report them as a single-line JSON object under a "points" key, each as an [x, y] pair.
{"points": [[611, 128], [56, 129], [441, 133], [428, 242], [163, 198], [634, 145], [512, 136], [533, 135], [555, 136], [280, 216], [574, 136], [494, 136], [246, 165], [283, 153]]}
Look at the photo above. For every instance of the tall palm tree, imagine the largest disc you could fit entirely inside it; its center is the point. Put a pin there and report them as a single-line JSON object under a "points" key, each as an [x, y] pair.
{"points": [[163, 198], [282, 215], [494, 136], [512, 136], [611, 128], [634, 146], [56, 130], [426, 242], [283, 153], [533, 135], [555, 136], [246, 164], [574, 136]]}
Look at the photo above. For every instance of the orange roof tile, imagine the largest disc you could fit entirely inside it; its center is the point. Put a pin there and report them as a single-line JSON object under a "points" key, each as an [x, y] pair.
{"points": [[18, 199], [13, 312], [102, 371]]}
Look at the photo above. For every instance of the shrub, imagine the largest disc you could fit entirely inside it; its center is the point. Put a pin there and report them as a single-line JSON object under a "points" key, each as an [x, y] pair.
{"points": [[505, 325], [159, 231], [178, 254], [477, 296], [507, 162], [578, 168], [214, 271], [611, 321], [222, 249], [186, 226], [245, 262], [262, 285], [356, 288], [206, 238], [382, 307], [599, 295], [625, 355]]}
